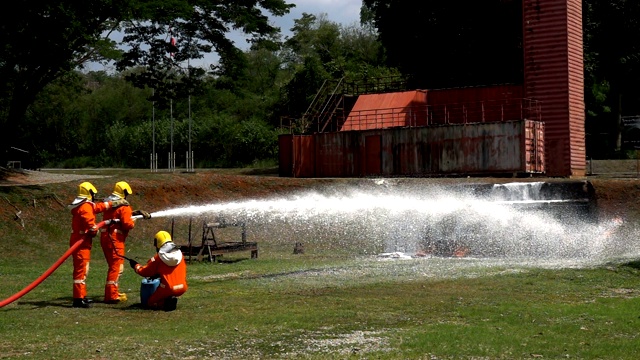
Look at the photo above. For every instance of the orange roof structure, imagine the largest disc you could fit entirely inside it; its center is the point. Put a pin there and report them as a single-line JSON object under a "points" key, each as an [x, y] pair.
{"points": [[380, 111]]}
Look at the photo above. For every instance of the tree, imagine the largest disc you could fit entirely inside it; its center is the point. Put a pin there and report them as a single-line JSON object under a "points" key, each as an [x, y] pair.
{"points": [[45, 39], [612, 67], [451, 43], [162, 39], [321, 50]]}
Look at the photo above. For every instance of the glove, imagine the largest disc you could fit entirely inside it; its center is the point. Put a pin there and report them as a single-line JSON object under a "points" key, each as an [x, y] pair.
{"points": [[133, 263], [93, 231], [144, 214], [119, 202]]}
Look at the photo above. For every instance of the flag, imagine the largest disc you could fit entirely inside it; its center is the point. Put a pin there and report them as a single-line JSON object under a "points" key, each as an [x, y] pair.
{"points": [[173, 46]]}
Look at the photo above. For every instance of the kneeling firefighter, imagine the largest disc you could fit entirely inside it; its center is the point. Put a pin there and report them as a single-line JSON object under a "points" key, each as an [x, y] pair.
{"points": [[169, 267], [113, 237]]}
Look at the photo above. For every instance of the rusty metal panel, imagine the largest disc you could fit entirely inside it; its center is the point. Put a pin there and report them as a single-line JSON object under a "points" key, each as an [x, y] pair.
{"points": [[508, 147], [304, 156], [534, 147], [477, 149], [553, 74], [379, 111], [285, 157], [372, 155], [338, 154], [471, 149]]}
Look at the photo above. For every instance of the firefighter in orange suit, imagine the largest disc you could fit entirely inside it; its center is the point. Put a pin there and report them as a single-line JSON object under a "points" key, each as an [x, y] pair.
{"points": [[169, 266], [112, 240], [83, 228]]}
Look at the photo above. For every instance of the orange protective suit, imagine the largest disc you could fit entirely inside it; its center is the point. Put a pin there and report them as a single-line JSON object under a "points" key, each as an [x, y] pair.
{"points": [[168, 265], [83, 228], [112, 240]]}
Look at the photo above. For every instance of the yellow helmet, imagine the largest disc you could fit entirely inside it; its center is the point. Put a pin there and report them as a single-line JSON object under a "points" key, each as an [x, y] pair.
{"points": [[162, 237], [86, 190], [122, 189]]}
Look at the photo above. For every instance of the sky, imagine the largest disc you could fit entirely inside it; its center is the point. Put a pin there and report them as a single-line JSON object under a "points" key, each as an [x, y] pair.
{"points": [[345, 12]]}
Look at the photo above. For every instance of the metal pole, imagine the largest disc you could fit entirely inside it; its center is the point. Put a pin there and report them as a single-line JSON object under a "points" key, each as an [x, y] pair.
{"points": [[171, 150], [154, 164], [189, 164]]}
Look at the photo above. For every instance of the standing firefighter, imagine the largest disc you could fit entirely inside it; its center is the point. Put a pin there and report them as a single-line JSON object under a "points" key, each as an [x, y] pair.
{"points": [[169, 267], [112, 240], [83, 228]]}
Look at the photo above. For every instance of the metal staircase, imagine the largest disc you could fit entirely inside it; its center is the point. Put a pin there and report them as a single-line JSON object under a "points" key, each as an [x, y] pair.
{"points": [[331, 106]]}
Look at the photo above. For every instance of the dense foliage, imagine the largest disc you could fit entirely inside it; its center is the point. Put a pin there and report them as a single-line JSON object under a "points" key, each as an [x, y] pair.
{"points": [[230, 116], [231, 113], [44, 41], [460, 42]]}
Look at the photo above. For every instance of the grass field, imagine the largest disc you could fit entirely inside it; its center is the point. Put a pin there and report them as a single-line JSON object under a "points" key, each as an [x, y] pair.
{"points": [[336, 301]]}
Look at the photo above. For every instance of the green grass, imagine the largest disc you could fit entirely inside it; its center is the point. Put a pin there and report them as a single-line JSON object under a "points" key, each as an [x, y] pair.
{"points": [[300, 306], [330, 302]]}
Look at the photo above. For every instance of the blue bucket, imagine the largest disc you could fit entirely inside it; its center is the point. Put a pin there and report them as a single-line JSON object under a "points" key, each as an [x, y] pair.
{"points": [[147, 288]]}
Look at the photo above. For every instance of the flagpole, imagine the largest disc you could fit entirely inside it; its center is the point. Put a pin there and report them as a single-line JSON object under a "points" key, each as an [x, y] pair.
{"points": [[171, 155], [190, 166], [154, 164]]}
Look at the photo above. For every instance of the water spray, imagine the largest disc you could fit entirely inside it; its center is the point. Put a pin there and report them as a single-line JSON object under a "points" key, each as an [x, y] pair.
{"points": [[515, 220]]}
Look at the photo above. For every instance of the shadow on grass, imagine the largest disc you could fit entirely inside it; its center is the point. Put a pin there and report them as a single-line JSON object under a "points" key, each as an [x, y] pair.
{"points": [[67, 302], [64, 302], [261, 171], [633, 264]]}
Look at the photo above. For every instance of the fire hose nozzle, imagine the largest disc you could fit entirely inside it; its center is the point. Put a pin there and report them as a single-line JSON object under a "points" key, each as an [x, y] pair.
{"points": [[141, 214]]}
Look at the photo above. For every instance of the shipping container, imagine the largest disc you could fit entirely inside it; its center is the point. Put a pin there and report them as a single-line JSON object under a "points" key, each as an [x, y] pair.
{"points": [[510, 147]]}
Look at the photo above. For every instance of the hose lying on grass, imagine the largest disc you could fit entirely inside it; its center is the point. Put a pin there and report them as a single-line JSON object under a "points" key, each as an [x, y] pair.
{"points": [[46, 274]]}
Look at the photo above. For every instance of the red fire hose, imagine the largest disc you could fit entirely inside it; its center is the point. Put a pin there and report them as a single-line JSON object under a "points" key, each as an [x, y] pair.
{"points": [[46, 274]]}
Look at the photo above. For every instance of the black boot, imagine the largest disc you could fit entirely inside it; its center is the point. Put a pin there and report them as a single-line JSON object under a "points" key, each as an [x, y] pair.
{"points": [[81, 303], [170, 303]]}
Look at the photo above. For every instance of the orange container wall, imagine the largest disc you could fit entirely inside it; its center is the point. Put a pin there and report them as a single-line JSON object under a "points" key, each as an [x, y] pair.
{"points": [[296, 156], [476, 104], [444, 106], [553, 74]]}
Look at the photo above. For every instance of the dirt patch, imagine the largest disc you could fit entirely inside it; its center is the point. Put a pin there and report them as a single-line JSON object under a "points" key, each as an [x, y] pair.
{"points": [[616, 187], [30, 177]]}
